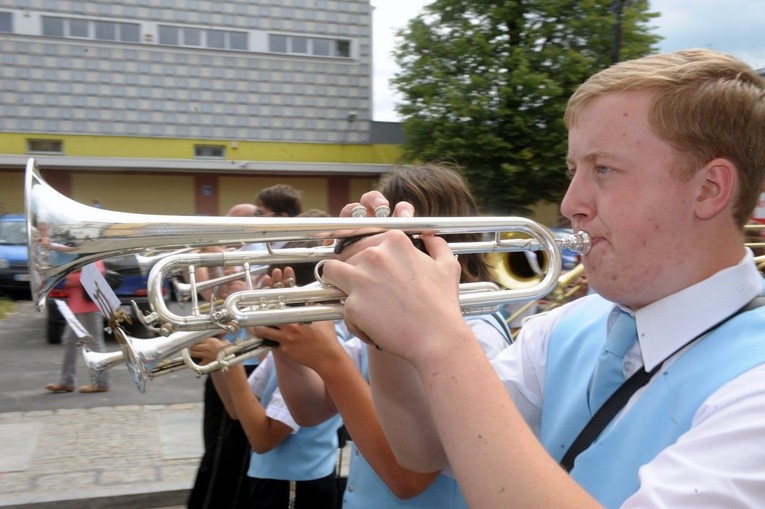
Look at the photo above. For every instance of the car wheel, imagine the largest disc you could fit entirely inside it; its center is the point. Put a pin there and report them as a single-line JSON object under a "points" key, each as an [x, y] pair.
{"points": [[55, 324]]}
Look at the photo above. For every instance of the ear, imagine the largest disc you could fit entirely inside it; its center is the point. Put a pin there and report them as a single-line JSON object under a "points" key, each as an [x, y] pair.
{"points": [[718, 182]]}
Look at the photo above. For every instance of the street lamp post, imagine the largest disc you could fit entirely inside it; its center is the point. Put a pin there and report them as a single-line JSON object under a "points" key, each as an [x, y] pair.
{"points": [[616, 8]]}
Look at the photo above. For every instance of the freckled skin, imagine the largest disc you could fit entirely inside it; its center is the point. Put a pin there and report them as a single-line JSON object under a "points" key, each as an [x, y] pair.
{"points": [[635, 211]]}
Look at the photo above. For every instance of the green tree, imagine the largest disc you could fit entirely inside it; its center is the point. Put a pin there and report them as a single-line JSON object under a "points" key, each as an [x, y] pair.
{"points": [[485, 84]]}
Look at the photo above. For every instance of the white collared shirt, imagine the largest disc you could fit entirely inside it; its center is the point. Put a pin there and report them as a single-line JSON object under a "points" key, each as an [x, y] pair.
{"points": [[727, 436], [277, 407]]}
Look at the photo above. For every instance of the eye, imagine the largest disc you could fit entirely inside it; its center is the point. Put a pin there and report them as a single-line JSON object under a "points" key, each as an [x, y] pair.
{"points": [[601, 170], [570, 172]]}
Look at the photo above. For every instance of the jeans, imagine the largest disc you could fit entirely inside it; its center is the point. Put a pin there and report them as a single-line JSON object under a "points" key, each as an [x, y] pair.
{"points": [[94, 324]]}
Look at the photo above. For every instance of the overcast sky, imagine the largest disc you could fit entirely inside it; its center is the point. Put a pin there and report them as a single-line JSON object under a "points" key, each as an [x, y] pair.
{"points": [[731, 26]]}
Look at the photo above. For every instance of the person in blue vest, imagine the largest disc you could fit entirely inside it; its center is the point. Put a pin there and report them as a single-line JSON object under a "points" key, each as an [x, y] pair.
{"points": [[290, 465], [666, 160], [221, 478], [318, 379]]}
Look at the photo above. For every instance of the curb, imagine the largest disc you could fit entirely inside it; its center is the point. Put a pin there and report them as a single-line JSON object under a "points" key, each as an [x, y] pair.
{"points": [[156, 500]]}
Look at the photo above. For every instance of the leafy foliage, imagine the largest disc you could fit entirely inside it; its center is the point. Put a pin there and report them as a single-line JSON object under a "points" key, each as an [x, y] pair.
{"points": [[485, 84]]}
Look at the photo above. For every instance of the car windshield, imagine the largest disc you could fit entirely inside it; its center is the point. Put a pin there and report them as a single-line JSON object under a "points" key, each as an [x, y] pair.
{"points": [[13, 232]]}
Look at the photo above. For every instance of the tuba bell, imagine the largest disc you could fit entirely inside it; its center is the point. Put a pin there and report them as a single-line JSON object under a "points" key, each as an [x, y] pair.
{"points": [[519, 269]]}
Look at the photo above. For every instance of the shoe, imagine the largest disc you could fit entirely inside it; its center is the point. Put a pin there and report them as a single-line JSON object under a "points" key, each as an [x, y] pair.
{"points": [[93, 388], [59, 388]]}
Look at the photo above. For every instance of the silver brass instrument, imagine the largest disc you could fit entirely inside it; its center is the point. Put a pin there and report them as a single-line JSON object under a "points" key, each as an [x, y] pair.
{"points": [[146, 261], [98, 362], [228, 356], [150, 358], [270, 305], [146, 358], [755, 237], [65, 235], [569, 284], [188, 290]]}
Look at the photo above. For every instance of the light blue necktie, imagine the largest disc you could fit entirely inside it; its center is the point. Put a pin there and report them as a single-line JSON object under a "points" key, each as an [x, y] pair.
{"points": [[609, 371]]}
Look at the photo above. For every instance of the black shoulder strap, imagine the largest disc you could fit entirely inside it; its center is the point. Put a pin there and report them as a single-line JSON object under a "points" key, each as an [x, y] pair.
{"points": [[618, 399]]}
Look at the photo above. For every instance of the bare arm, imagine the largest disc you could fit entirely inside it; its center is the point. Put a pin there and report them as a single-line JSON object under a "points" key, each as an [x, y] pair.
{"points": [[496, 458], [262, 432], [302, 388], [401, 402], [241, 404], [221, 387], [353, 398], [491, 439], [334, 383], [304, 392], [206, 351]]}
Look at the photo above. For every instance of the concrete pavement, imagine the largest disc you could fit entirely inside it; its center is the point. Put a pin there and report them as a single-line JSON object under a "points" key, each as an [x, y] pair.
{"points": [[115, 449], [119, 456]]}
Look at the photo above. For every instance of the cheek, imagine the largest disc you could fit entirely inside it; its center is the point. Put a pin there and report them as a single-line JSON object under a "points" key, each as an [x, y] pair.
{"points": [[653, 246]]}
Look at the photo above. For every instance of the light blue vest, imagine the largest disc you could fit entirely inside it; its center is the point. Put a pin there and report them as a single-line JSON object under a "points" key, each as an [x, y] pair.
{"points": [[608, 469], [242, 335], [309, 454], [365, 489]]}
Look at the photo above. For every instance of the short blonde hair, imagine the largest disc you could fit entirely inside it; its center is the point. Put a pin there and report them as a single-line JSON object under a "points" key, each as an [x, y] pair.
{"points": [[706, 105]]}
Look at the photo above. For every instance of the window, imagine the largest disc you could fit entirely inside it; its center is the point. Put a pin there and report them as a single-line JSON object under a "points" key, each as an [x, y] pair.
{"points": [[78, 28], [178, 35], [343, 49], [168, 35], [106, 31], [45, 146], [129, 32], [217, 39], [277, 43], [217, 151], [192, 37], [309, 46], [90, 29], [237, 40], [6, 22], [321, 47], [53, 26], [332, 48], [299, 45]]}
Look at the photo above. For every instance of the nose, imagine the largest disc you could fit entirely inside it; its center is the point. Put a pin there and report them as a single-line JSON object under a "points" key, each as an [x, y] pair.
{"points": [[576, 204]]}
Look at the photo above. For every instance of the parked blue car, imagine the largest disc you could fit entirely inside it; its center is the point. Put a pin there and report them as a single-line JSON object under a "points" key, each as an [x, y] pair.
{"points": [[14, 274]]}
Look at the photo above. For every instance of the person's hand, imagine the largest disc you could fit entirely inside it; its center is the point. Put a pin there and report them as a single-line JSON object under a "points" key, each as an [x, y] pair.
{"points": [[373, 201], [226, 289], [397, 294], [279, 278], [207, 350], [314, 345], [211, 249]]}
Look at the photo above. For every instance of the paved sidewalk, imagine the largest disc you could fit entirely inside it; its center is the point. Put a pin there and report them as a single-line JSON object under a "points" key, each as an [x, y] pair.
{"points": [[116, 449], [138, 456]]}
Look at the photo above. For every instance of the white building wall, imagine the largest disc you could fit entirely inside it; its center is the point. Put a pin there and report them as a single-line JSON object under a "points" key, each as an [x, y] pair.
{"points": [[72, 85]]}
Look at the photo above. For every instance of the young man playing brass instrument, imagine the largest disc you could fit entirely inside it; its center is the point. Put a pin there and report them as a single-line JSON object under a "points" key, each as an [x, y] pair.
{"points": [[666, 158]]}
